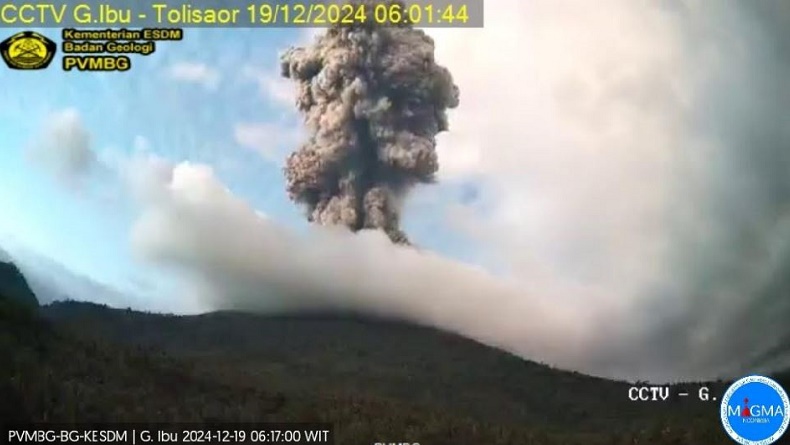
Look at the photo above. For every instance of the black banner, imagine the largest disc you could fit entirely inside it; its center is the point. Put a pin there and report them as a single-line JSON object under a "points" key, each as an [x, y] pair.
{"points": [[155, 434]]}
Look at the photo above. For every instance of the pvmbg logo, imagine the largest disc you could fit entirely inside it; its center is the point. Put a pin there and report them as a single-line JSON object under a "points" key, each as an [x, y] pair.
{"points": [[754, 411]]}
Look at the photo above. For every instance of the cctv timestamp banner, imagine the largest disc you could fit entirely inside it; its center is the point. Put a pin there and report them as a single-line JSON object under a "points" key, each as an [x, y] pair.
{"points": [[241, 13], [434, 13], [155, 434]]}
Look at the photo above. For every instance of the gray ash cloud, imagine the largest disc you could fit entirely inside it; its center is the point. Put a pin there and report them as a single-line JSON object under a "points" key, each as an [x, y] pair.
{"points": [[373, 100]]}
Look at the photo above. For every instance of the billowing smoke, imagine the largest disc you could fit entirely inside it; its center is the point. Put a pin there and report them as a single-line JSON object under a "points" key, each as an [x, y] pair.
{"points": [[633, 162], [373, 99], [633, 165], [64, 147]]}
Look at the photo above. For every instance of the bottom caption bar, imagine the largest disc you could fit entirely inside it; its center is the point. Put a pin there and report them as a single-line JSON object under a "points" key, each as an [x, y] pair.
{"points": [[134, 434]]}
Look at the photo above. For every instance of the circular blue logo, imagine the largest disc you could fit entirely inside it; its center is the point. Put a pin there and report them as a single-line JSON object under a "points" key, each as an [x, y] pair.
{"points": [[754, 411]]}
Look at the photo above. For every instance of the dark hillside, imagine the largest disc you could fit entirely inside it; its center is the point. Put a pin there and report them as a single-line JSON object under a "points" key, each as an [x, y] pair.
{"points": [[14, 285], [350, 354], [53, 376], [390, 365]]}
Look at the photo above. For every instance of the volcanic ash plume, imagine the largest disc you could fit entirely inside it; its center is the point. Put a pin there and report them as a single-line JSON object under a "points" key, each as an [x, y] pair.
{"points": [[374, 100]]}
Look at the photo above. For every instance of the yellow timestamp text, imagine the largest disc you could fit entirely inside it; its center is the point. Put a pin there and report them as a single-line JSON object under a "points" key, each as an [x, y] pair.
{"points": [[332, 14]]}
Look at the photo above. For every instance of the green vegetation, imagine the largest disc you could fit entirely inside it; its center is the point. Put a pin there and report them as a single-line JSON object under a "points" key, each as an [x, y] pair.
{"points": [[375, 380]]}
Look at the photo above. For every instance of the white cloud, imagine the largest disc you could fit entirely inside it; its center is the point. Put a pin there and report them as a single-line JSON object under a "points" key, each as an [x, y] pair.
{"points": [[194, 72], [270, 140], [64, 146], [578, 135], [272, 87], [141, 144], [257, 265], [611, 135]]}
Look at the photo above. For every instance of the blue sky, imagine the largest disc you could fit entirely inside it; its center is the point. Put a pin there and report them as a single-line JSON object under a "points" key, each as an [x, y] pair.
{"points": [[213, 98]]}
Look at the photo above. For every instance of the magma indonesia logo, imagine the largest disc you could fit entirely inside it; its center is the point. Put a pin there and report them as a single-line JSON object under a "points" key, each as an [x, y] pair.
{"points": [[754, 411]]}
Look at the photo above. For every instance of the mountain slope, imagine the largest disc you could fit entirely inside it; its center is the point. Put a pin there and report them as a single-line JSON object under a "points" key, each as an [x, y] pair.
{"points": [[52, 281], [398, 369], [56, 377], [14, 285], [49, 376]]}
